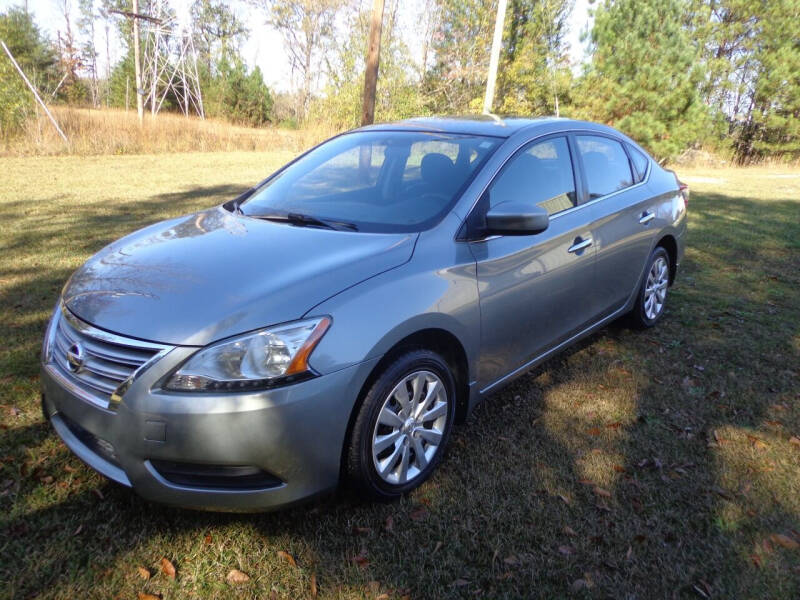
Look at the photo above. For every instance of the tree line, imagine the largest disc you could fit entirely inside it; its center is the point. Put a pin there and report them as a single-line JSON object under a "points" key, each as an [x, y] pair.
{"points": [[673, 74]]}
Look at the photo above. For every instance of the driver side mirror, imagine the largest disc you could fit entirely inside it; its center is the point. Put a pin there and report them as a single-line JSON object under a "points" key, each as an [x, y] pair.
{"points": [[516, 218]]}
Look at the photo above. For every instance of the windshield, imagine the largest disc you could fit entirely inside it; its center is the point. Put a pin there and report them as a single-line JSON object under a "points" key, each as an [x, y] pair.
{"points": [[379, 181]]}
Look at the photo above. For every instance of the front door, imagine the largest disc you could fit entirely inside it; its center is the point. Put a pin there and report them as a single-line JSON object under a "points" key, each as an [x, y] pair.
{"points": [[535, 290]]}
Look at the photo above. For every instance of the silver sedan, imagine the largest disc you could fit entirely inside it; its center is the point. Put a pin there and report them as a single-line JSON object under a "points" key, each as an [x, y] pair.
{"points": [[339, 318]]}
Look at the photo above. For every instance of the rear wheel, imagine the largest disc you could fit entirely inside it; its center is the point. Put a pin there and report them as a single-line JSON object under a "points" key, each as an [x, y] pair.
{"points": [[402, 426], [652, 296]]}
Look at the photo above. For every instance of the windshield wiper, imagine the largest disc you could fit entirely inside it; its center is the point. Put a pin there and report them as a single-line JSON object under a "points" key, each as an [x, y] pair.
{"points": [[302, 220]]}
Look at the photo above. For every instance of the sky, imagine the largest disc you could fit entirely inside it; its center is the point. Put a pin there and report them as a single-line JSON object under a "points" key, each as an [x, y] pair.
{"points": [[264, 46]]}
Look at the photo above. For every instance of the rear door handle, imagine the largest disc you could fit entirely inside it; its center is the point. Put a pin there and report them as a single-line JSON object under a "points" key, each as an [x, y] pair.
{"points": [[647, 217], [578, 246]]}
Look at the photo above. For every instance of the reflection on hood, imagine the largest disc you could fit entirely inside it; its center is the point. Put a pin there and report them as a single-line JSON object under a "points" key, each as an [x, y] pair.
{"points": [[213, 274]]}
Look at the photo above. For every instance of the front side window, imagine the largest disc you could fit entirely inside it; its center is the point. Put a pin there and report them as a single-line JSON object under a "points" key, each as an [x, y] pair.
{"points": [[378, 181], [606, 165], [541, 175]]}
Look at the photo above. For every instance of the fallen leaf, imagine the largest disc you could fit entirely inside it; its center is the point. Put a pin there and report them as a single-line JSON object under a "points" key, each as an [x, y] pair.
{"points": [[564, 499], [143, 573], [383, 596], [460, 582], [389, 524], [794, 441], [436, 549], [619, 468], [601, 492], [512, 560], [594, 431], [287, 557], [566, 550], [615, 425], [167, 568], [361, 559], [785, 541], [69, 469], [774, 423], [756, 560], [570, 531], [586, 482], [236, 577], [419, 514], [47, 479], [78, 530], [144, 596], [207, 540], [98, 493], [313, 585]]}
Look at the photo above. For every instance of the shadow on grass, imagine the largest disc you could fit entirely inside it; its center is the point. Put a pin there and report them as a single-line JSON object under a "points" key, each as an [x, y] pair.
{"points": [[621, 468]]}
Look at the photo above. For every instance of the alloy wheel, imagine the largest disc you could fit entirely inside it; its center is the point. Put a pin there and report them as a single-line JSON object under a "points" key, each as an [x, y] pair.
{"points": [[410, 426], [655, 291]]}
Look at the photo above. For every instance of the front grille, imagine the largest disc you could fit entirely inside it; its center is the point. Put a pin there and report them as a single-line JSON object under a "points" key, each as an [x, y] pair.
{"points": [[104, 360]]}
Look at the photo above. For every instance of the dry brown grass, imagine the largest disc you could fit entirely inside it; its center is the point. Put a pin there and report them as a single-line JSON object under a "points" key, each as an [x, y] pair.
{"points": [[112, 131]]}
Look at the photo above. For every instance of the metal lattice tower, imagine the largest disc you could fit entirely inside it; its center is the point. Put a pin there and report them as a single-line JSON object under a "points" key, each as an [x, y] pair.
{"points": [[170, 63]]}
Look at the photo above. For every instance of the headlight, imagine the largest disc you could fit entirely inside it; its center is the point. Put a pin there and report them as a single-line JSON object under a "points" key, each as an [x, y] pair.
{"points": [[255, 360]]}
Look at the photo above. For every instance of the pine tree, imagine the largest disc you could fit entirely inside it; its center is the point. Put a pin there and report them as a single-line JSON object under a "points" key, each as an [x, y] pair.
{"points": [[771, 126], [645, 75]]}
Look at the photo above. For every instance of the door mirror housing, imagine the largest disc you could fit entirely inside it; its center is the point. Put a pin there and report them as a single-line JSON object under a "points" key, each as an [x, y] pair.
{"points": [[516, 218]]}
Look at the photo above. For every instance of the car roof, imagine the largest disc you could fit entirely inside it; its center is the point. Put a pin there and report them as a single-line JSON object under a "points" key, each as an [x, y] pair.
{"points": [[489, 125]]}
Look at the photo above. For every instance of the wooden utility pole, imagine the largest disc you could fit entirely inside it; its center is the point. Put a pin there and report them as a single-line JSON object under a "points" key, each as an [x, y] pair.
{"points": [[373, 60], [494, 59], [137, 67]]}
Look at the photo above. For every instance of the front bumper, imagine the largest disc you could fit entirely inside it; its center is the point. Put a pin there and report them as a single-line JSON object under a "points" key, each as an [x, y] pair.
{"points": [[294, 433]]}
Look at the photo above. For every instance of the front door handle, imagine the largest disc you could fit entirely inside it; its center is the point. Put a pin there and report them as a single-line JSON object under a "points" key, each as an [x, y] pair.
{"points": [[580, 245], [647, 217]]}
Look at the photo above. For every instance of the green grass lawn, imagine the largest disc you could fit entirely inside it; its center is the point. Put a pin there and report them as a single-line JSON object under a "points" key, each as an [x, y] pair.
{"points": [[653, 464]]}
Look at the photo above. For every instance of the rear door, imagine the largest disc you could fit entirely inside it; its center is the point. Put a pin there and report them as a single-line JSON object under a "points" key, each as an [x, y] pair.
{"points": [[625, 219], [534, 290]]}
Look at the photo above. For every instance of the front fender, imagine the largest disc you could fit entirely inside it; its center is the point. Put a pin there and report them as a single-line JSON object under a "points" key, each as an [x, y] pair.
{"points": [[436, 289]]}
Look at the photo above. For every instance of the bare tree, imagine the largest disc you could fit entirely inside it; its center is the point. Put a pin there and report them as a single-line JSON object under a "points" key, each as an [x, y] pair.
{"points": [[88, 49], [305, 26], [69, 56]]}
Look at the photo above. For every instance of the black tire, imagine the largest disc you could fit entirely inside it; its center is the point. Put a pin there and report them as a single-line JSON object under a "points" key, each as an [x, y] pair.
{"points": [[638, 317], [360, 465]]}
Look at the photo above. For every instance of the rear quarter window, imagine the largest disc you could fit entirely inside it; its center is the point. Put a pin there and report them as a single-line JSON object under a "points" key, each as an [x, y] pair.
{"points": [[640, 162]]}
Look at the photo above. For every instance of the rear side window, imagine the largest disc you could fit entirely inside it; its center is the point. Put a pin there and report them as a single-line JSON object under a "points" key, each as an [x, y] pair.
{"points": [[639, 161], [606, 164], [541, 175]]}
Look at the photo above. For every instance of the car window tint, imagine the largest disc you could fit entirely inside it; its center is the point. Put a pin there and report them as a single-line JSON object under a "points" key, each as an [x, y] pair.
{"points": [[376, 180], [639, 161], [354, 169], [606, 165], [420, 150], [541, 175]]}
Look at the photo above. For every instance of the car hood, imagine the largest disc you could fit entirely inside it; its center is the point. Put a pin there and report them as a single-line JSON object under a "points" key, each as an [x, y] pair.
{"points": [[207, 276]]}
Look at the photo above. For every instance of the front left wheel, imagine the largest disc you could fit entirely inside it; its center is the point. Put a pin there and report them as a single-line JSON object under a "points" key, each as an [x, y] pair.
{"points": [[403, 426]]}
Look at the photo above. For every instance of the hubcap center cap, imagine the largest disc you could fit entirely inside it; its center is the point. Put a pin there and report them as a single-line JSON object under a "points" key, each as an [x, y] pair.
{"points": [[408, 426]]}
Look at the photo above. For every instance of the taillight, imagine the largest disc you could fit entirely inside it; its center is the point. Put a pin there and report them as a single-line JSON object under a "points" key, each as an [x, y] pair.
{"points": [[684, 189]]}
